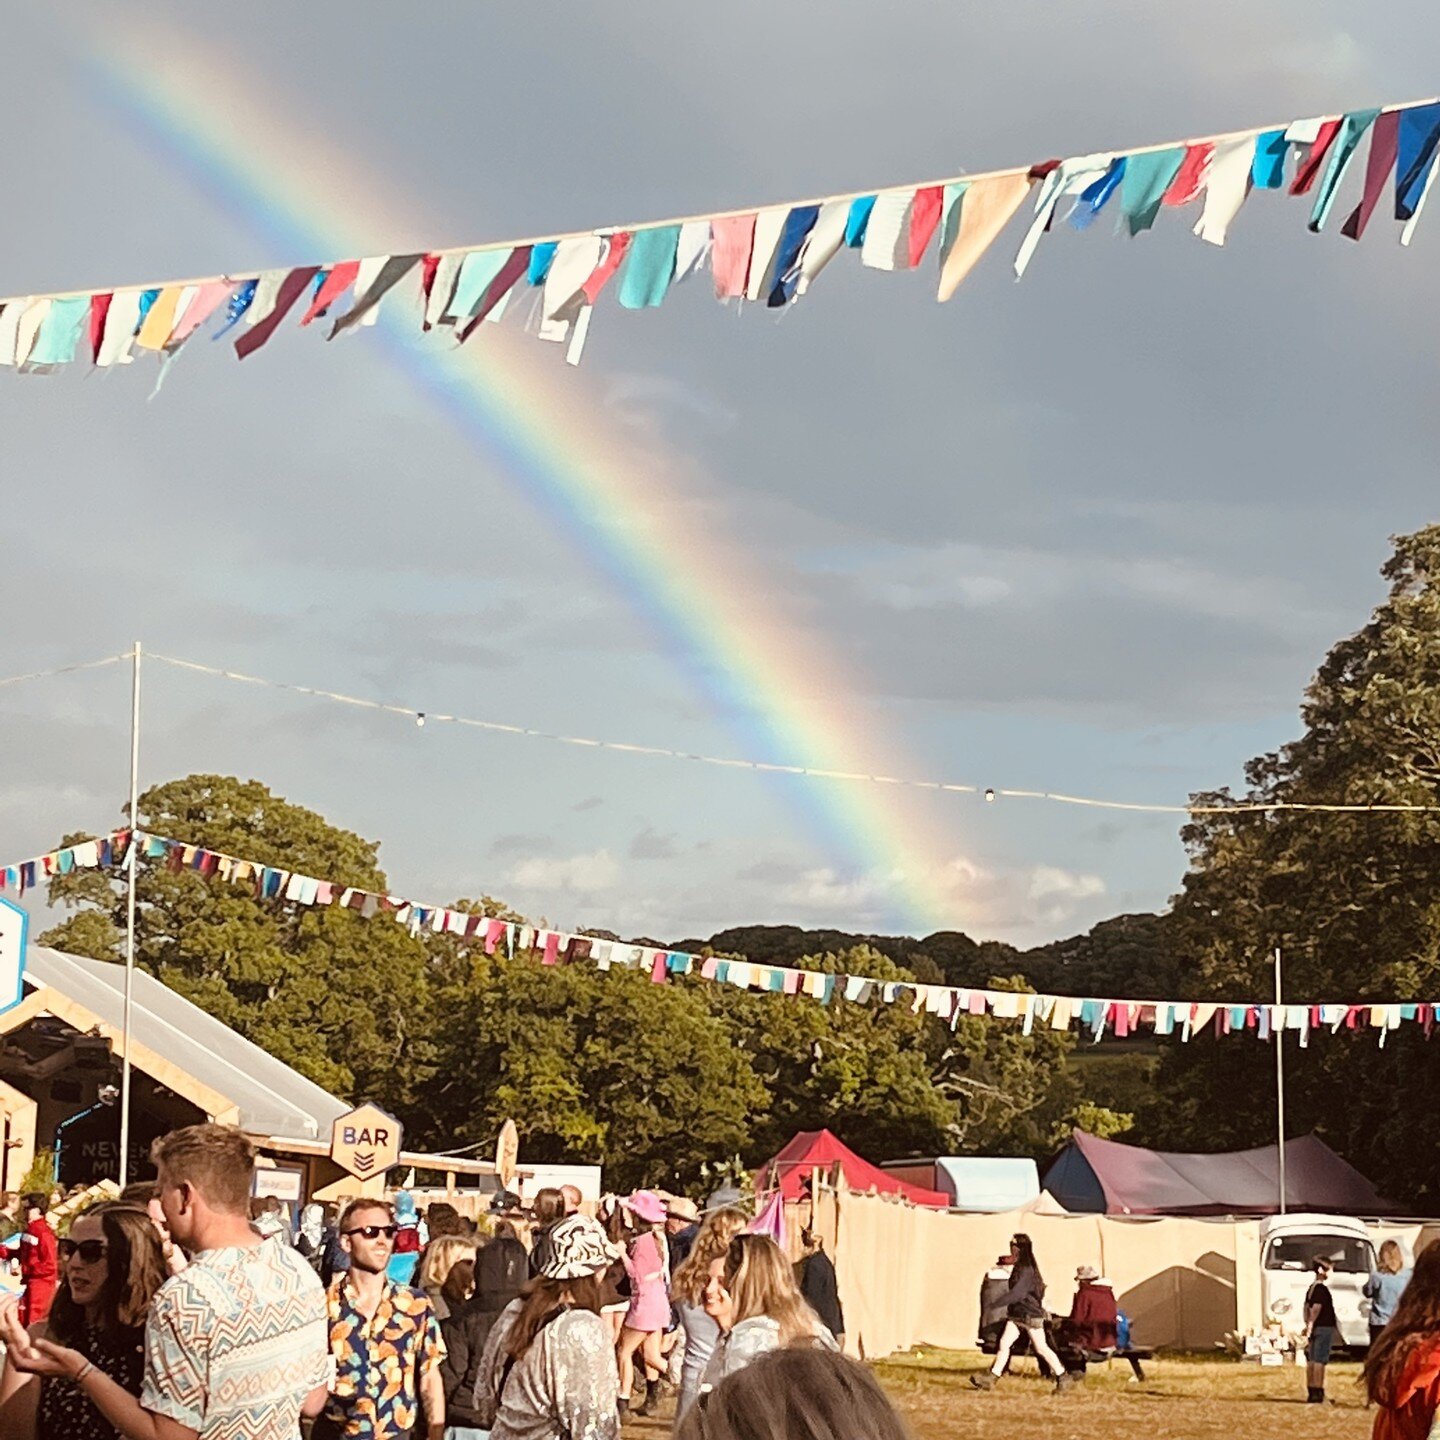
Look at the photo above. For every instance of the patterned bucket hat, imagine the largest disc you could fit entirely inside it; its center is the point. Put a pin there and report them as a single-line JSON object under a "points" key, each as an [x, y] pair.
{"points": [[578, 1247]]}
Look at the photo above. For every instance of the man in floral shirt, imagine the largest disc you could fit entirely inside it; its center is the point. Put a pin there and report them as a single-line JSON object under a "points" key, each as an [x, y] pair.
{"points": [[384, 1341]]}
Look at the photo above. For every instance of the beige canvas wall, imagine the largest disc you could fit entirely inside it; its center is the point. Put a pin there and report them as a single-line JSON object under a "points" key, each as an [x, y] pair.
{"points": [[912, 1277]]}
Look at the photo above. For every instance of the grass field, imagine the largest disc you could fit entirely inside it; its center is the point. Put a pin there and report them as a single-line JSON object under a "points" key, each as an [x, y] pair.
{"points": [[1181, 1398]]}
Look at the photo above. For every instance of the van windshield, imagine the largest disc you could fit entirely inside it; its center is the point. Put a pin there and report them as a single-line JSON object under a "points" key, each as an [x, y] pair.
{"points": [[1347, 1254]]}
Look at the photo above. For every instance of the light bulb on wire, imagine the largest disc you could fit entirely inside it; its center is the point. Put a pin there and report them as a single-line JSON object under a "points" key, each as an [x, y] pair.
{"points": [[989, 797], [420, 720]]}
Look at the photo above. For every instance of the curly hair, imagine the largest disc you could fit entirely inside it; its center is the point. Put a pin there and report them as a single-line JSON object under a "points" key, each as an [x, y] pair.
{"points": [[717, 1230], [134, 1270]]}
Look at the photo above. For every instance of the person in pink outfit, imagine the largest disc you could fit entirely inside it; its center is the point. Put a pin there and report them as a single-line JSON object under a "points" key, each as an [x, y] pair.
{"points": [[647, 1263]]}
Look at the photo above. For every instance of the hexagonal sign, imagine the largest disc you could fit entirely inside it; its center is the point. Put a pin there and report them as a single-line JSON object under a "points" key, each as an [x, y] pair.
{"points": [[366, 1142]]}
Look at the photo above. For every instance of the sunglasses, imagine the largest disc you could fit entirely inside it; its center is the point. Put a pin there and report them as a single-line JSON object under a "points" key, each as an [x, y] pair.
{"points": [[374, 1232], [89, 1251]]}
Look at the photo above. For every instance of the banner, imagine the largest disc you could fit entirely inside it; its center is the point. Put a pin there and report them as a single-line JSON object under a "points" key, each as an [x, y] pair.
{"points": [[1096, 1016], [770, 255]]}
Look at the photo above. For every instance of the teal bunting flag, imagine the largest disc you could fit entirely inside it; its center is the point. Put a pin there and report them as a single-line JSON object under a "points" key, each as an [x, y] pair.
{"points": [[1342, 152], [649, 266], [1147, 178]]}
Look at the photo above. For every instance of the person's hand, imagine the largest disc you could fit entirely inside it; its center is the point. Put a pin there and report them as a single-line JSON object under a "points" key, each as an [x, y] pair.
{"points": [[35, 1357]]}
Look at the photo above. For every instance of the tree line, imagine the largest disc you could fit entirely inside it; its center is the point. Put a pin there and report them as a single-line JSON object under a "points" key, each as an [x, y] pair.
{"points": [[655, 1081]]}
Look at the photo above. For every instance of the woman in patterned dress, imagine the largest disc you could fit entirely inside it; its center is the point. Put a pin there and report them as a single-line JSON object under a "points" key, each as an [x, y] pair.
{"points": [[112, 1265]]}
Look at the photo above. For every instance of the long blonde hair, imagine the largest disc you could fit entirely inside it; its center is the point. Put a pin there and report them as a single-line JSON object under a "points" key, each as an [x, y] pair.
{"points": [[441, 1256], [717, 1230], [761, 1282], [1392, 1258]]}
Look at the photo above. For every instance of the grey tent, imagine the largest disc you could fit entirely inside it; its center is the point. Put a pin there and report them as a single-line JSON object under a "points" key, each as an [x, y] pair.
{"points": [[1109, 1178]]}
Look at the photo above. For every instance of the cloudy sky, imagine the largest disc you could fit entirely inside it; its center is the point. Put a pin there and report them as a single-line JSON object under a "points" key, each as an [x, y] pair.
{"points": [[1090, 533]]}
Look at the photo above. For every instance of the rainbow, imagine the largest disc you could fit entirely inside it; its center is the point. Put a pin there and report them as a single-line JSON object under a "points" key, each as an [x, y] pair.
{"points": [[517, 401]]}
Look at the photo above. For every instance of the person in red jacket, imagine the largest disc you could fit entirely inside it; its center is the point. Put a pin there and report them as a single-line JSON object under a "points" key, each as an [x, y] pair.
{"points": [[1092, 1326], [39, 1262]]}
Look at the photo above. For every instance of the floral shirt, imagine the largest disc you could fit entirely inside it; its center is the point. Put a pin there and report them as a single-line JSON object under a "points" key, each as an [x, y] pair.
{"points": [[380, 1362]]}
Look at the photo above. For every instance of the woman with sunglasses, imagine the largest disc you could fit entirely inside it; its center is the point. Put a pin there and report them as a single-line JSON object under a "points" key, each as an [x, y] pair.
{"points": [[111, 1266], [753, 1298]]}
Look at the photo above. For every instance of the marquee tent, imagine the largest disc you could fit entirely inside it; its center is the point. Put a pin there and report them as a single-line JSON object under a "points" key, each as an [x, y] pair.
{"points": [[811, 1150], [1109, 1178]]}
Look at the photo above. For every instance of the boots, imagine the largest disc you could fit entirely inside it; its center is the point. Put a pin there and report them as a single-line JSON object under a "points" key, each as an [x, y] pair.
{"points": [[643, 1407], [1314, 1395], [985, 1380]]}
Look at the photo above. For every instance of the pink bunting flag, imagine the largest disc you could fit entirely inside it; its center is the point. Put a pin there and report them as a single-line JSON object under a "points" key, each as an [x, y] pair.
{"points": [[1384, 144], [734, 237], [609, 263]]}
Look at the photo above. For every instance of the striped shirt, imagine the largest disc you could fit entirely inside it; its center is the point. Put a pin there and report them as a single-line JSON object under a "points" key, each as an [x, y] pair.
{"points": [[235, 1342]]}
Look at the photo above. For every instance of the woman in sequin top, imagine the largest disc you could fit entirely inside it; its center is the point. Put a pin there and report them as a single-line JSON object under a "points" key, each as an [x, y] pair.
{"points": [[548, 1371], [753, 1297], [112, 1265]]}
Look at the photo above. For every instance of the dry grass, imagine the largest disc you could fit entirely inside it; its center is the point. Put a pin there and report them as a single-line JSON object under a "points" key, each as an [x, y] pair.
{"points": [[1181, 1398]]}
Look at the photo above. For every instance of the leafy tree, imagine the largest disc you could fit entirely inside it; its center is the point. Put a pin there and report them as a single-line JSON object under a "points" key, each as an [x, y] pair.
{"points": [[1352, 899], [341, 998], [604, 1066]]}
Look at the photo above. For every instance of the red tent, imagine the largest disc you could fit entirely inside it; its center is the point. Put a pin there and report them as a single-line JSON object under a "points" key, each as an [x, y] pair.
{"points": [[820, 1150]]}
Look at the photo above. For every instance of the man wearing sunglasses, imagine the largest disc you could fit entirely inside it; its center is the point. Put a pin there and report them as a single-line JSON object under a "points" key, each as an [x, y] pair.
{"points": [[385, 1341]]}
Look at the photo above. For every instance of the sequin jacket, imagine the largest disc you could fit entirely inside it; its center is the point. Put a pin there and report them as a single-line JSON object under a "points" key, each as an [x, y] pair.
{"points": [[562, 1388]]}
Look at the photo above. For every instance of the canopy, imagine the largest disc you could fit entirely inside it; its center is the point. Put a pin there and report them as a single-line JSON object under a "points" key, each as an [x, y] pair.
{"points": [[1110, 1178], [820, 1150]]}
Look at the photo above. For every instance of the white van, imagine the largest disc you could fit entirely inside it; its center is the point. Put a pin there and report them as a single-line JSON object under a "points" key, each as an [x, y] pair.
{"points": [[1290, 1245]]}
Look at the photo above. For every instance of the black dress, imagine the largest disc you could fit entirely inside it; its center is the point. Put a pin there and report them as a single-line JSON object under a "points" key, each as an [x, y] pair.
{"points": [[66, 1412]]}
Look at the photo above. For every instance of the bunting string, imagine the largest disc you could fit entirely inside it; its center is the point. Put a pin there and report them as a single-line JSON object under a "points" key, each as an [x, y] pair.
{"points": [[769, 255], [1238, 807], [1092, 1015]]}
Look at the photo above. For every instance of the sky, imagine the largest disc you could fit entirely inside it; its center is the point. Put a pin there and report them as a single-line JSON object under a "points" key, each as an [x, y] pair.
{"points": [[1090, 533]]}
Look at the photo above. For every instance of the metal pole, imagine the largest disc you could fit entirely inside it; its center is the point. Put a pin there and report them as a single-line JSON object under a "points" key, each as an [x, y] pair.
{"points": [[130, 918], [1279, 1033]]}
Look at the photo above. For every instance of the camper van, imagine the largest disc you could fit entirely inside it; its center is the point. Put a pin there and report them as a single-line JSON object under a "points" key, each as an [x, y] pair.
{"points": [[1290, 1245]]}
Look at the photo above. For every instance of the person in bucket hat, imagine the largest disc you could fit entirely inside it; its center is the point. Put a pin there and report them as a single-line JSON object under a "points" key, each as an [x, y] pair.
{"points": [[548, 1371]]}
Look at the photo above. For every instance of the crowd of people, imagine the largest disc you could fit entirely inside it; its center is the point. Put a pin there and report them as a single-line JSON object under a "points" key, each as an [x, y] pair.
{"points": [[186, 1311]]}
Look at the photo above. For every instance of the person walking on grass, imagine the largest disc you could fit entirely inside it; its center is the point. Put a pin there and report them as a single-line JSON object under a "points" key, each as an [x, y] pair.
{"points": [[1402, 1369], [1024, 1305], [1319, 1338]]}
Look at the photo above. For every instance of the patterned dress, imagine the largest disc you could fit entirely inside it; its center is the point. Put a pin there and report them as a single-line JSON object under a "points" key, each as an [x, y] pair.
{"points": [[380, 1362], [66, 1412], [235, 1342]]}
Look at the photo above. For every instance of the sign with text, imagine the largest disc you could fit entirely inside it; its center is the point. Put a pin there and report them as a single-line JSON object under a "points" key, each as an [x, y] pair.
{"points": [[366, 1142], [14, 927]]}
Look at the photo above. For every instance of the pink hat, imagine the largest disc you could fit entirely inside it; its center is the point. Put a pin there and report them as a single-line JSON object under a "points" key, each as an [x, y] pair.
{"points": [[647, 1205]]}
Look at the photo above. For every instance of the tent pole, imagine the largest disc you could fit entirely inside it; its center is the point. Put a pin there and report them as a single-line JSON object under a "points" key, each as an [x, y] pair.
{"points": [[1279, 1032], [132, 857]]}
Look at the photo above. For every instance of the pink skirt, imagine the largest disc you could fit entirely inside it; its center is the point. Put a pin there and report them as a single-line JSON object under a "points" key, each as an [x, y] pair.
{"points": [[649, 1309]]}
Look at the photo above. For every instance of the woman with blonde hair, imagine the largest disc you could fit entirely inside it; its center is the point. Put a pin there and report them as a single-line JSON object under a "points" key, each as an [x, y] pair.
{"points": [[440, 1258], [752, 1296], [1385, 1286], [687, 1293]]}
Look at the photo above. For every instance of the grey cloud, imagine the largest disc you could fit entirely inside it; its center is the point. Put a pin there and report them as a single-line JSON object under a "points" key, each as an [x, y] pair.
{"points": [[651, 844]]}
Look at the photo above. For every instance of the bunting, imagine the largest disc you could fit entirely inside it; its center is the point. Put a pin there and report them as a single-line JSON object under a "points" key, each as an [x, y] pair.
{"points": [[770, 255], [1093, 1016]]}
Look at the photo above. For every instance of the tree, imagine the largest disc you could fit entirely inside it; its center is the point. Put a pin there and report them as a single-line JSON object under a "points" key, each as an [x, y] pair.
{"points": [[341, 998], [596, 1065], [1352, 899]]}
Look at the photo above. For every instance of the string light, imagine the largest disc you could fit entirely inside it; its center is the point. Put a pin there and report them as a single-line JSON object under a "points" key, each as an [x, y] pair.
{"points": [[767, 767]]}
